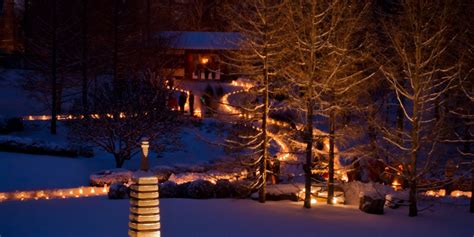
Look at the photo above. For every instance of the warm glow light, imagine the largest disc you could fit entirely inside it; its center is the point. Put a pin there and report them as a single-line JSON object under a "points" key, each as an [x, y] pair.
{"points": [[396, 185], [344, 177], [314, 201], [204, 60], [145, 145], [48, 194]]}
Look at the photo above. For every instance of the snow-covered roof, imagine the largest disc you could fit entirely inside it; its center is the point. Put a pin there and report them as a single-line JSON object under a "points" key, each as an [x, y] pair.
{"points": [[203, 40]]}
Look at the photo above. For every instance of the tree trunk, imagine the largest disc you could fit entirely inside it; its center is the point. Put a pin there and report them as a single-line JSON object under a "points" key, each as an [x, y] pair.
{"points": [[84, 60], [26, 26], [54, 70], [119, 160], [413, 210], [148, 23], [115, 47], [471, 209], [400, 120], [332, 128], [309, 156], [263, 163], [309, 148]]}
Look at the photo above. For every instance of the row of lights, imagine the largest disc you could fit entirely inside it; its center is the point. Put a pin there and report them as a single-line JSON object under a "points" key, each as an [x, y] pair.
{"points": [[334, 200], [442, 193], [246, 85], [284, 148], [94, 116], [54, 194]]}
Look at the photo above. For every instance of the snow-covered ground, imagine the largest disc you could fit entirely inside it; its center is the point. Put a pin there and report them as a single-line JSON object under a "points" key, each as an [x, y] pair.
{"points": [[98, 216], [225, 218], [13, 100], [29, 172]]}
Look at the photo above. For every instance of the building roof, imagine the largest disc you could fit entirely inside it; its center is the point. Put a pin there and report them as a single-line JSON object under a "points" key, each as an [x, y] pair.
{"points": [[203, 40]]}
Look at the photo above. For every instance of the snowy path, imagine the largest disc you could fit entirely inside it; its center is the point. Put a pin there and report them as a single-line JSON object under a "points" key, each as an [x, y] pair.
{"points": [[226, 218]]}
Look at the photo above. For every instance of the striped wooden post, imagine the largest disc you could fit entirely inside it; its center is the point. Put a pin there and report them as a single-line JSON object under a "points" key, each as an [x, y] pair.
{"points": [[144, 207]]}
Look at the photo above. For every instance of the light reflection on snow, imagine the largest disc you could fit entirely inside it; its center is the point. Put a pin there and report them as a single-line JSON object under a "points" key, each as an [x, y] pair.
{"points": [[54, 193]]}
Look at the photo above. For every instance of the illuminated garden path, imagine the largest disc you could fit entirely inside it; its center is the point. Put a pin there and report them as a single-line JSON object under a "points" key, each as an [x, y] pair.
{"points": [[284, 154], [79, 192]]}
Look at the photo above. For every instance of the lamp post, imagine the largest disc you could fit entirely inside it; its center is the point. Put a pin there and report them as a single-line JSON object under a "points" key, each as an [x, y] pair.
{"points": [[145, 149]]}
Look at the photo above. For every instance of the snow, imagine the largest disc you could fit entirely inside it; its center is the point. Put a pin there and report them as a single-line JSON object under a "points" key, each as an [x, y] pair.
{"points": [[99, 216], [14, 101], [30, 172], [107, 177], [211, 176], [226, 217], [356, 189], [196, 148], [41, 171], [38, 144]]}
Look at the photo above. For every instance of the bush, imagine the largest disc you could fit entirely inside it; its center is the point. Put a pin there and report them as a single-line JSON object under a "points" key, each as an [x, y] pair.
{"points": [[241, 189], [118, 191], [163, 173], [11, 125], [182, 190], [224, 188], [168, 189], [201, 189], [108, 177]]}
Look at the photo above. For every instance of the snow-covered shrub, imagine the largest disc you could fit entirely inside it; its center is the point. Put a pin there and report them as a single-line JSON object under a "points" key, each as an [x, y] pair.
{"points": [[118, 191], [168, 189], [211, 176], [163, 173], [241, 189], [224, 188], [108, 177], [353, 191], [31, 146], [201, 189], [371, 205], [182, 191]]}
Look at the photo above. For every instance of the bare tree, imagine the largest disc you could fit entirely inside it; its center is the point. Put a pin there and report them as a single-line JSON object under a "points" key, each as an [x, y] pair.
{"points": [[49, 45], [9, 27], [420, 36], [260, 23], [118, 125], [324, 72], [85, 53]]}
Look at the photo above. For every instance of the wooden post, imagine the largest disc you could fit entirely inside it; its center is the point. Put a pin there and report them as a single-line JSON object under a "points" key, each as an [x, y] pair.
{"points": [[144, 161], [144, 207]]}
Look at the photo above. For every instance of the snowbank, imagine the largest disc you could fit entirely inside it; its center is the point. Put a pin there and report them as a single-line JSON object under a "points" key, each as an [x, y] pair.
{"points": [[32, 146], [108, 177], [353, 191], [211, 176]]}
